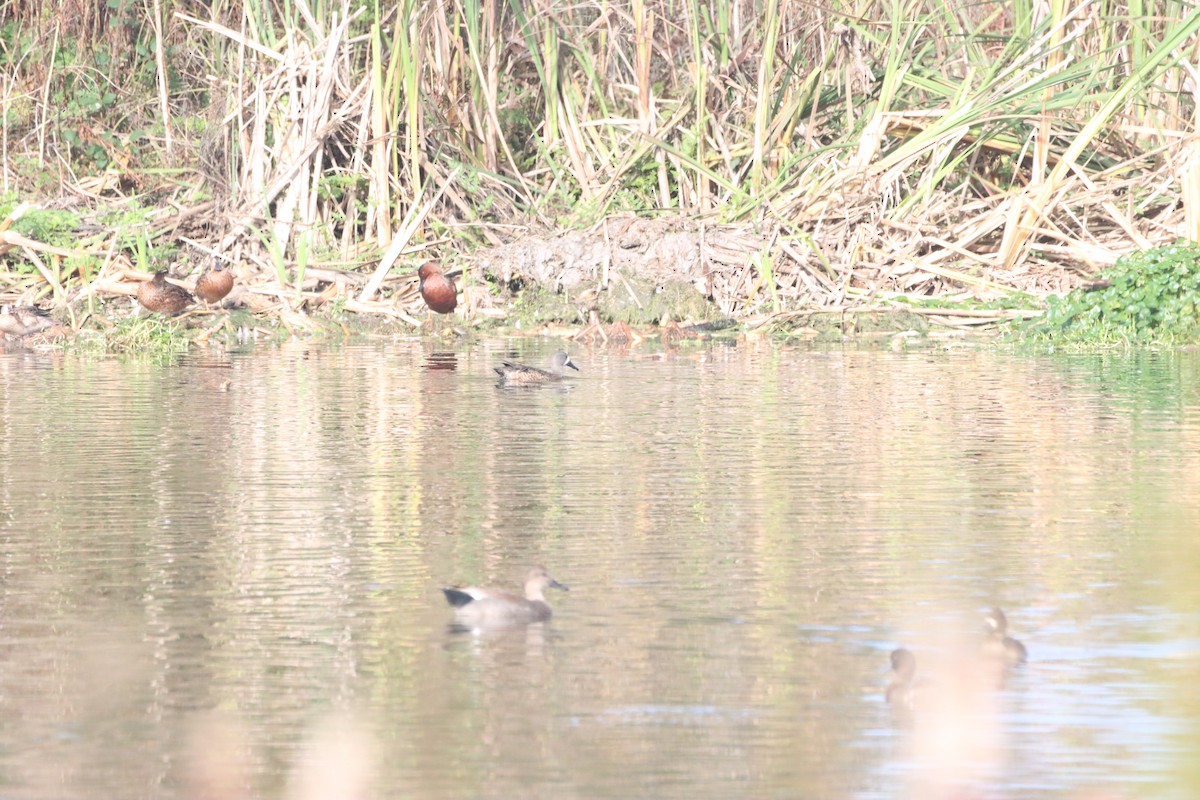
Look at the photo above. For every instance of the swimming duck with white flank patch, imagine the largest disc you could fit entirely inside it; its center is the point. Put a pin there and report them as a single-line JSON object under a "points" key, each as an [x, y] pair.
{"points": [[476, 606]]}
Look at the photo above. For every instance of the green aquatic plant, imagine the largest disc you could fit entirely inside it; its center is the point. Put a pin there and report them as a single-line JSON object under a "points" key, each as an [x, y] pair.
{"points": [[151, 337], [1146, 297]]}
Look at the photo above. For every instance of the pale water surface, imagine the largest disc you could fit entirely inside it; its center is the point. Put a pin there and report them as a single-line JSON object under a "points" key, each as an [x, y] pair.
{"points": [[221, 578]]}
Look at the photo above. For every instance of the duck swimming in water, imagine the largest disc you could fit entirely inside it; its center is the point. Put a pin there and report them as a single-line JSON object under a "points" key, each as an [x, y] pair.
{"points": [[513, 374], [480, 607], [904, 689], [998, 644]]}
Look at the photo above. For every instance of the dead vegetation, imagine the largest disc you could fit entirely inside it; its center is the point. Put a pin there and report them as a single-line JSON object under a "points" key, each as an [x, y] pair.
{"points": [[778, 161]]}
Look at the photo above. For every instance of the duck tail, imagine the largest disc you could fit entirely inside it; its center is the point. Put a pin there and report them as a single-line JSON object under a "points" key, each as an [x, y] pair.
{"points": [[456, 597]]}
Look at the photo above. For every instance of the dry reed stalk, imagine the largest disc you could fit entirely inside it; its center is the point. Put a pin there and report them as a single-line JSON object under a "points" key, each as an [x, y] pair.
{"points": [[10, 239], [1190, 191], [408, 227], [160, 66], [297, 107]]}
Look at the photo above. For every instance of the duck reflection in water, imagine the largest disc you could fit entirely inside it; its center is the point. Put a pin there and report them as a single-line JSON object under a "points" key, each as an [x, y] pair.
{"points": [[439, 361], [476, 607]]}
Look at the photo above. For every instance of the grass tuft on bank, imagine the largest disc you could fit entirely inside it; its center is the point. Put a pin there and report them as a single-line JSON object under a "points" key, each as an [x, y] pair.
{"points": [[151, 337]]}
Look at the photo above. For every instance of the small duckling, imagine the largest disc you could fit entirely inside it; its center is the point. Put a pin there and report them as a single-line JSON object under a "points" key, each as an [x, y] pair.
{"points": [[215, 282], [998, 644], [165, 298]]}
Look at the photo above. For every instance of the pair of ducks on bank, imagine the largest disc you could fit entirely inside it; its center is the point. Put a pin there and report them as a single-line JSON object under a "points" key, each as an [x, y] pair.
{"points": [[999, 652], [160, 296], [156, 294]]}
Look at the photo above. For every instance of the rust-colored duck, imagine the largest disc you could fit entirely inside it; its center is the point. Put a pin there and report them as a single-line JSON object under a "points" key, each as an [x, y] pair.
{"points": [[165, 298], [437, 288], [215, 283]]}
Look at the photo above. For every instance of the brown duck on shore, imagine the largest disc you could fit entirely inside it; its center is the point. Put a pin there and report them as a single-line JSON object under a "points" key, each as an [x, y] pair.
{"points": [[23, 320], [215, 283], [437, 288], [513, 374], [165, 298]]}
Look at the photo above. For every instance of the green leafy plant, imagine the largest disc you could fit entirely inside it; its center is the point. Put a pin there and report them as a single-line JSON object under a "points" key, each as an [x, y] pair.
{"points": [[52, 226], [1153, 296]]}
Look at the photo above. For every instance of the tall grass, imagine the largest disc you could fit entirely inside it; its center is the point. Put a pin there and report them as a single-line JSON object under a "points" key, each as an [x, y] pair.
{"points": [[896, 142]]}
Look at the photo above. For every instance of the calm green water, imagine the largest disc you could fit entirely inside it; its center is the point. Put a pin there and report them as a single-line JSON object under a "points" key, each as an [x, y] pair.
{"points": [[222, 578]]}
